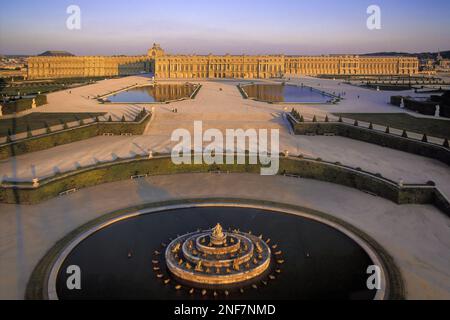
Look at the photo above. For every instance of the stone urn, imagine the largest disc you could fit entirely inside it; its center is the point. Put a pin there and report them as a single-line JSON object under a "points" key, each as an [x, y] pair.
{"points": [[437, 113], [35, 183]]}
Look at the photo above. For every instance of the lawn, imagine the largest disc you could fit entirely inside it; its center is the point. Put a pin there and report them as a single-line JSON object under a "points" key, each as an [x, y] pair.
{"points": [[26, 90], [433, 127], [39, 120], [33, 87]]}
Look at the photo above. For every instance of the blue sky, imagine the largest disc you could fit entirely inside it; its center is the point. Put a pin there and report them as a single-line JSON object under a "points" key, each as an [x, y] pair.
{"points": [[228, 26]]}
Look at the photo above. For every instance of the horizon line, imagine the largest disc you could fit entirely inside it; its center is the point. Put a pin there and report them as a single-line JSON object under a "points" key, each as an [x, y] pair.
{"points": [[231, 54]]}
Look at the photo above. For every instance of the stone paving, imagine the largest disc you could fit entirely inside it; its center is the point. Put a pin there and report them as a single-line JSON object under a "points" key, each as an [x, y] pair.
{"points": [[220, 105], [417, 236]]}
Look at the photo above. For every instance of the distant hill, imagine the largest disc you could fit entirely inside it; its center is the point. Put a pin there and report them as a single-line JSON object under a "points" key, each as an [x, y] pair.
{"points": [[55, 53], [422, 55]]}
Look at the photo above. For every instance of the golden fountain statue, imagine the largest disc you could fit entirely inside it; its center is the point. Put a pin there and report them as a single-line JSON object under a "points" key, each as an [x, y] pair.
{"points": [[176, 248], [198, 267], [215, 257], [218, 238]]}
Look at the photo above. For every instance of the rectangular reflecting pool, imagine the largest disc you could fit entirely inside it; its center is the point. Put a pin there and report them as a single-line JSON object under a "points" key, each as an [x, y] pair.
{"points": [[286, 93], [152, 94]]}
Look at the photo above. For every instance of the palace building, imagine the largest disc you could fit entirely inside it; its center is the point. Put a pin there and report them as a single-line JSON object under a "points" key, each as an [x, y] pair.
{"points": [[165, 66]]}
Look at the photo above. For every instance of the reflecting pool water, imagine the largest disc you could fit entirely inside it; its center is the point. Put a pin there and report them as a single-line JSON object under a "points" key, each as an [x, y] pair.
{"points": [[125, 259], [158, 93], [286, 93]]}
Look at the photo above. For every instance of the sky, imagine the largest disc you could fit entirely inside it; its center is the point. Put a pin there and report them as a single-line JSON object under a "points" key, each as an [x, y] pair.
{"points": [[112, 27]]}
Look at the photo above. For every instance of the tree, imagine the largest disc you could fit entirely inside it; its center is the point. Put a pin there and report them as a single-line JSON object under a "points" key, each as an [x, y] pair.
{"points": [[425, 138], [388, 130], [370, 126], [314, 119]]}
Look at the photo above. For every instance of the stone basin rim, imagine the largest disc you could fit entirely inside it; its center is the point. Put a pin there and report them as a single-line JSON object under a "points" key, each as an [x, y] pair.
{"points": [[49, 285]]}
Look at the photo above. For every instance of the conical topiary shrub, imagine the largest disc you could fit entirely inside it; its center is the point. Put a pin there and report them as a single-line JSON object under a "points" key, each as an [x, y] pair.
{"points": [[110, 119], [388, 130], [302, 119], [425, 138], [47, 128], [340, 119], [446, 145], [327, 119], [314, 119], [404, 134], [356, 124], [123, 118]]}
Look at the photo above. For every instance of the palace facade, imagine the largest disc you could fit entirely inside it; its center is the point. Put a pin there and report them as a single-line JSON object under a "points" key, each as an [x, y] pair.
{"points": [[75, 67], [277, 66], [48, 66], [166, 66]]}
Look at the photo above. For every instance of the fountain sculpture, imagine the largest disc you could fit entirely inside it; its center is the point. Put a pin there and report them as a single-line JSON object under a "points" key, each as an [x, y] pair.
{"points": [[215, 258]]}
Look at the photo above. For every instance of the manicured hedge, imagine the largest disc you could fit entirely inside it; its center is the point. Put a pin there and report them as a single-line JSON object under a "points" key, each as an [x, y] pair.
{"points": [[306, 168], [375, 137], [389, 87], [426, 107], [109, 173], [23, 104], [396, 100], [423, 107], [337, 174], [51, 140]]}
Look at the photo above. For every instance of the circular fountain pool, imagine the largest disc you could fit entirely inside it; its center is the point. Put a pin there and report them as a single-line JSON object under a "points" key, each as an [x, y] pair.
{"points": [[175, 254]]}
